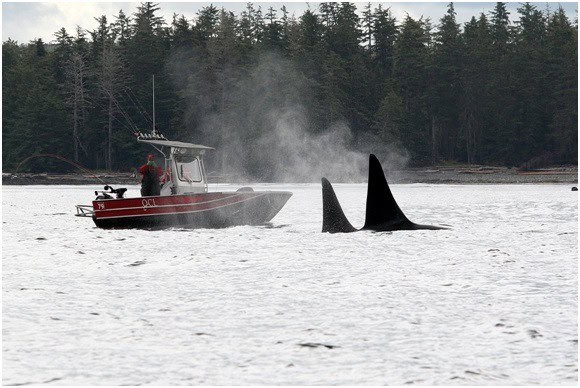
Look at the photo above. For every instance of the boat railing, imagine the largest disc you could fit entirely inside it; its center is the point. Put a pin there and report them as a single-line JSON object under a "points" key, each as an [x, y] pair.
{"points": [[85, 211]]}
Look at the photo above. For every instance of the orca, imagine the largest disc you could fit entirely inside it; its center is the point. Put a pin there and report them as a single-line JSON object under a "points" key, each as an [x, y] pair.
{"points": [[382, 211]]}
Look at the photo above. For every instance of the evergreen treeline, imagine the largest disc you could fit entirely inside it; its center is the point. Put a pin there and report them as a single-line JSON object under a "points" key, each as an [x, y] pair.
{"points": [[492, 91]]}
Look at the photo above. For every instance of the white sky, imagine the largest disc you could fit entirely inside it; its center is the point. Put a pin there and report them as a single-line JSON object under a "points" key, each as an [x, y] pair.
{"points": [[24, 21]]}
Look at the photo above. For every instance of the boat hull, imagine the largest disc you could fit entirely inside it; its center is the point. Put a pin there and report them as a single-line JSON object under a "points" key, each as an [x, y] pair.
{"points": [[206, 210]]}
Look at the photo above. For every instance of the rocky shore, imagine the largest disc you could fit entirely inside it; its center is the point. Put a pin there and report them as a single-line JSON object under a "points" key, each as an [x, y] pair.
{"points": [[486, 175], [433, 175]]}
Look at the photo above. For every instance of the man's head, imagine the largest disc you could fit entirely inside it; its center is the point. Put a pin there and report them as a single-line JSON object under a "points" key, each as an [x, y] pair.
{"points": [[150, 157]]}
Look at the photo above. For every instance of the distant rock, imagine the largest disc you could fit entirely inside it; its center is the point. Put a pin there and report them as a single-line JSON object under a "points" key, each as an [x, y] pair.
{"points": [[316, 345]]}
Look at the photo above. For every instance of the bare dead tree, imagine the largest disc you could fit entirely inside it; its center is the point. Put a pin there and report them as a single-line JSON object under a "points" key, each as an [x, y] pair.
{"points": [[76, 96], [110, 82]]}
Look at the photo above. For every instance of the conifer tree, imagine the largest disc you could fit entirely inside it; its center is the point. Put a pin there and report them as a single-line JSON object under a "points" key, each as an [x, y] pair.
{"points": [[530, 102], [384, 35], [272, 38], [500, 135], [476, 76], [445, 87], [562, 44], [410, 73], [206, 24]]}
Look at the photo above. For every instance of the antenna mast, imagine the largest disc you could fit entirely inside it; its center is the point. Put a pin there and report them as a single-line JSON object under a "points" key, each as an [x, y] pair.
{"points": [[155, 135], [153, 103]]}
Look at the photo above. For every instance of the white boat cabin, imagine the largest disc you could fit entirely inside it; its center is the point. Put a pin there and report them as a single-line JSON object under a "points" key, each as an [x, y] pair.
{"points": [[184, 171]]}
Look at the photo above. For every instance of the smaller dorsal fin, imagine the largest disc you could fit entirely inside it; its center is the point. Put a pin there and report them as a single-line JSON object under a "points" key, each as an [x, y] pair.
{"points": [[333, 218]]}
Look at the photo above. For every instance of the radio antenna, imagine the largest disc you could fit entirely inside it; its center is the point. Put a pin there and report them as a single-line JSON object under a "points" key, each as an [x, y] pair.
{"points": [[154, 103]]}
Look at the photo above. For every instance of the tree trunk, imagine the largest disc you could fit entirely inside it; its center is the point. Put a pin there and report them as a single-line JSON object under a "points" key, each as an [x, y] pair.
{"points": [[110, 136], [434, 155], [76, 132]]}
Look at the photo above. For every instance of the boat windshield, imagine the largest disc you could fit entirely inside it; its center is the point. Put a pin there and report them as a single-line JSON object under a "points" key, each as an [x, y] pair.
{"points": [[188, 168]]}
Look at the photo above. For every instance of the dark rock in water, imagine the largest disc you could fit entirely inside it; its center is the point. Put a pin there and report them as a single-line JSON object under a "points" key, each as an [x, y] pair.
{"points": [[534, 333], [137, 263], [51, 380], [316, 345], [41, 238], [574, 188], [94, 313]]}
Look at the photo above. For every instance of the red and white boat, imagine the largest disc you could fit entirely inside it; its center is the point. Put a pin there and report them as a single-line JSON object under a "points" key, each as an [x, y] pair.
{"points": [[184, 200]]}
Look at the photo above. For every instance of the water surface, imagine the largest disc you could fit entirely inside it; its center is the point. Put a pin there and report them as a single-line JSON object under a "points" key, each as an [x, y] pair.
{"points": [[491, 301]]}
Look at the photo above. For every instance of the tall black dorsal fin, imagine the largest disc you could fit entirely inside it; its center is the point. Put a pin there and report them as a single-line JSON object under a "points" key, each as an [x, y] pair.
{"points": [[382, 212], [333, 218]]}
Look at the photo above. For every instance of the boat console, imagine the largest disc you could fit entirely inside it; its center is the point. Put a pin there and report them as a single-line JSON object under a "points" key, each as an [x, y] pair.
{"points": [[184, 168]]}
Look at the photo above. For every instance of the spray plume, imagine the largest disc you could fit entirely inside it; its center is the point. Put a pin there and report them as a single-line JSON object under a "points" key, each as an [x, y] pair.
{"points": [[259, 120]]}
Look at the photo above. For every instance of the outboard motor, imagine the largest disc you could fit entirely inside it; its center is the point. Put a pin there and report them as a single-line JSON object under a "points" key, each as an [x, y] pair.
{"points": [[105, 195]]}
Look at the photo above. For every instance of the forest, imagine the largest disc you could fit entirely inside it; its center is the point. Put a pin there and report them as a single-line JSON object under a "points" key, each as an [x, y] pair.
{"points": [[499, 90]]}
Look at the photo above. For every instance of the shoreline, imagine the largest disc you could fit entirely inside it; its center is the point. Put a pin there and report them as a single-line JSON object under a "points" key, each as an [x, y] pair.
{"points": [[433, 175]]}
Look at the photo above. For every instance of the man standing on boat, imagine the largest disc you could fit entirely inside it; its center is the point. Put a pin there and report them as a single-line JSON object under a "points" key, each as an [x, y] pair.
{"points": [[150, 182]]}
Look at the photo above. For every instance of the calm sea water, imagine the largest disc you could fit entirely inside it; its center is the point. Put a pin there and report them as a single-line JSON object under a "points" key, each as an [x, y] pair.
{"points": [[492, 301]]}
